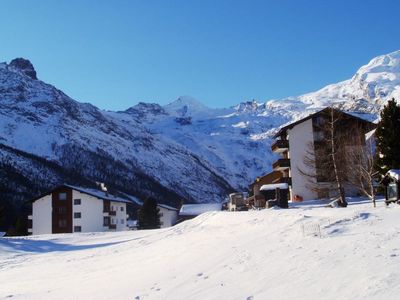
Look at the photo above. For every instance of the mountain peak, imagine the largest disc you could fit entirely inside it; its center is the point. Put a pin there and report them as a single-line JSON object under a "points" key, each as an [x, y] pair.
{"points": [[187, 100], [185, 106], [24, 66]]}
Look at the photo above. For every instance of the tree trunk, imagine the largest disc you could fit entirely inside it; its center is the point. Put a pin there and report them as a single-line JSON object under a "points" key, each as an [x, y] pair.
{"points": [[342, 197]]}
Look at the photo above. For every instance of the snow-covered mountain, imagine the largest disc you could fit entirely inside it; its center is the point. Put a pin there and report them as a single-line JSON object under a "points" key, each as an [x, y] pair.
{"points": [[180, 151]]}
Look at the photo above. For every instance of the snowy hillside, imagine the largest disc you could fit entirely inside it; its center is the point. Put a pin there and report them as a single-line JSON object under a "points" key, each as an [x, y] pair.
{"points": [[306, 252], [375, 83], [184, 150]]}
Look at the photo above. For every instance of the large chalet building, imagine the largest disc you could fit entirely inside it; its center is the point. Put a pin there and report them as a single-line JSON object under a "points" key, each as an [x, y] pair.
{"points": [[68, 209], [301, 146]]}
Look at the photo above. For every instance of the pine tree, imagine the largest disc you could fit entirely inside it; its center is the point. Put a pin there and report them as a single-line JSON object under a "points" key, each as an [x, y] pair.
{"points": [[149, 215], [387, 138], [2, 213]]}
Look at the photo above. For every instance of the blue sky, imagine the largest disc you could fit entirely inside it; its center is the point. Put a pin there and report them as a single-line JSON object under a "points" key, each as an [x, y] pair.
{"points": [[116, 53]]}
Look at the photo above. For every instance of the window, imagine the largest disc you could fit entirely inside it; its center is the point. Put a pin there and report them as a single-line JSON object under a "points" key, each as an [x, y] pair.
{"points": [[77, 215], [62, 196], [323, 194], [122, 221], [122, 208], [62, 223], [106, 221], [77, 228], [319, 136], [62, 210], [161, 214], [77, 201]]}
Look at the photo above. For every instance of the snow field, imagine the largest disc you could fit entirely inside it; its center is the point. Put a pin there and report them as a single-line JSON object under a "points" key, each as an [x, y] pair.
{"points": [[232, 255]]}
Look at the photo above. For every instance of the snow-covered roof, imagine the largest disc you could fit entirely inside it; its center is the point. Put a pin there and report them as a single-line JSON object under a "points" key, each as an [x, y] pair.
{"points": [[394, 173], [99, 194], [273, 186], [197, 209], [167, 207], [95, 193]]}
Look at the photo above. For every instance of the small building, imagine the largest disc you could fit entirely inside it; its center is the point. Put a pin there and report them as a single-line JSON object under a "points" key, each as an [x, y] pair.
{"points": [[275, 194], [237, 202], [190, 211], [258, 200], [168, 215], [68, 209], [391, 182], [132, 224]]}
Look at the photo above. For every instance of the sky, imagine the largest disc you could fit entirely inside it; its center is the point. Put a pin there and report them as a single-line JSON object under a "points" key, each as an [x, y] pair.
{"points": [[117, 53]]}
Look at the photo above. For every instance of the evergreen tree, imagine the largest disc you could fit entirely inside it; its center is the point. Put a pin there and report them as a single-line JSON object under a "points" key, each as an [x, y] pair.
{"points": [[149, 215], [2, 213], [387, 138]]}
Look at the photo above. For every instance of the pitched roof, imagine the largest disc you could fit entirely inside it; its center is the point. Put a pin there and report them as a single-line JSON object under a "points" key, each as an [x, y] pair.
{"points": [[325, 110], [93, 192], [98, 194]]}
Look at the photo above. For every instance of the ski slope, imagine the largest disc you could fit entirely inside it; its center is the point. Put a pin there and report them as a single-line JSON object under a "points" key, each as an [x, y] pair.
{"points": [[306, 252]]}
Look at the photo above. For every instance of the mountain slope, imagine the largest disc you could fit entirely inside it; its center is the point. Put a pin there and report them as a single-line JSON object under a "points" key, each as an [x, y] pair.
{"points": [[101, 146]]}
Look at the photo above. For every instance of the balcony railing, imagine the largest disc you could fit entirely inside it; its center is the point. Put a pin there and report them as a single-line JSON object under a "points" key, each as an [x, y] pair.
{"points": [[112, 226], [287, 180], [280, 146], [112, 213], [281, 164]]}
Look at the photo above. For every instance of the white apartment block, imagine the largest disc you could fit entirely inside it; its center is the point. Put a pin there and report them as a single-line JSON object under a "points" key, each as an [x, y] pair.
{"points": [[306, 138], [68, 209]]}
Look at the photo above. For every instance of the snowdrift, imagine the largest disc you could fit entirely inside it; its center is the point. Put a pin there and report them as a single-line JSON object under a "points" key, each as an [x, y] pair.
{"points": [[306, 252]]}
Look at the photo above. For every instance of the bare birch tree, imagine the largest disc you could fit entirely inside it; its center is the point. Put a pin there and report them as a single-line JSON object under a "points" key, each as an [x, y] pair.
{"points": [[337, 157], [362, 170], [325, 158]]}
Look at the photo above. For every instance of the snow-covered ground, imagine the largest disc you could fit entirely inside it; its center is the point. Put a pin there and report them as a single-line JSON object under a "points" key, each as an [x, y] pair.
{"points": [[306, 252]]}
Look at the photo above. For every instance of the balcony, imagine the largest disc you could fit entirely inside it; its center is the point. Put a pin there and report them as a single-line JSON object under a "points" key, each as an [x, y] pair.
{"points": [[112, 226], [287, 180], [281, 164], [280, 146], [112, 213]]}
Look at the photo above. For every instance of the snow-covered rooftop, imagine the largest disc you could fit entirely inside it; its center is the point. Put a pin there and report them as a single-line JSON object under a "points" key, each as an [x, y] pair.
{"points": [[167, 207], [394, 173], [274, 186], [198, 209], [99, 194]]}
